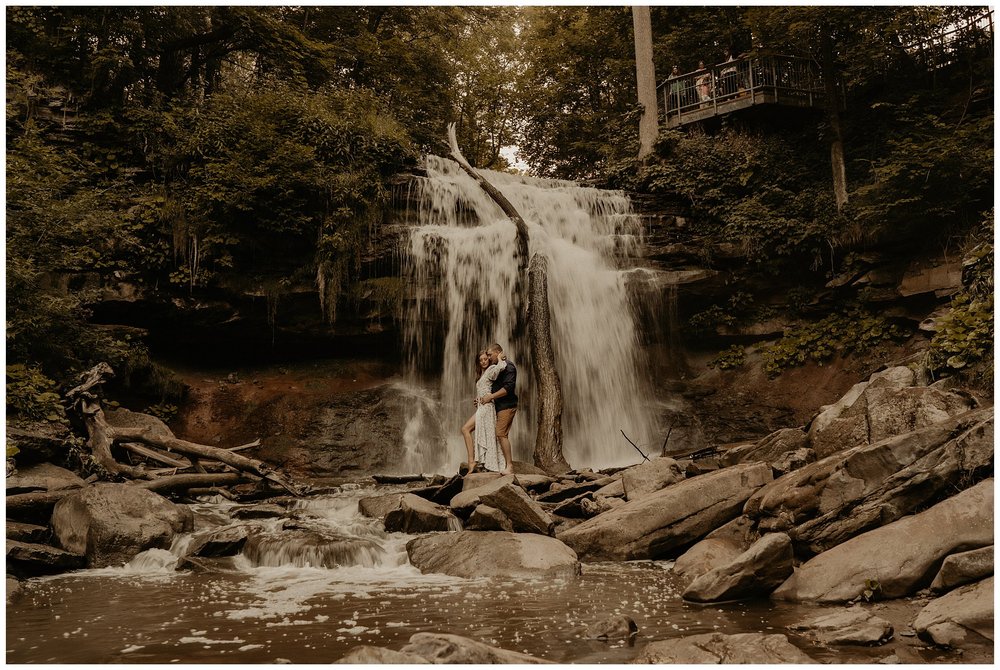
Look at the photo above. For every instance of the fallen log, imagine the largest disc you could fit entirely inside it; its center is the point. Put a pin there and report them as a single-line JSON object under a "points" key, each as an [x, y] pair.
{"points": [[186, 482], [146, 452], [35, 506]]}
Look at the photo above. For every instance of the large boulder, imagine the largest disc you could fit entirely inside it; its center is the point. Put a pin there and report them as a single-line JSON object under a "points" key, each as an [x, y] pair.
{"points": [[965, 614], [455, 649], [899, 558], [660, 524], [885, 406], [367, 655], [719, 547], [42, 477], [964, 567], [28, 560], [829, 501], [111, 523], [854, 625], [485, 517], [719, 649], [228, 541], [26, 532], [313, 547], [492, 554], [615, 627], [756, 572], [525, 515], [417, 515], [650, 476]]}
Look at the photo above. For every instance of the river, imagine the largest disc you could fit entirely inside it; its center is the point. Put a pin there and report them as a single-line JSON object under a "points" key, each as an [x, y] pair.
{"points": [[276, 602]]}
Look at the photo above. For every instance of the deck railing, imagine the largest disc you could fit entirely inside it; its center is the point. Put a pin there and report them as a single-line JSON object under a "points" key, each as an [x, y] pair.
{"points": [[948, 45], [741, 83]]}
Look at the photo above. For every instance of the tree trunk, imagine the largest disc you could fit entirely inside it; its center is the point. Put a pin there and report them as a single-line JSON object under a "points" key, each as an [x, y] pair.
{"points": [[548, 443], [645, 76], [837, 162]]}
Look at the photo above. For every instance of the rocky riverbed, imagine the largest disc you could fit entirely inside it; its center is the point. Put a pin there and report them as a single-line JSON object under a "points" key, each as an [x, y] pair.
{"points": [[865, 535]]}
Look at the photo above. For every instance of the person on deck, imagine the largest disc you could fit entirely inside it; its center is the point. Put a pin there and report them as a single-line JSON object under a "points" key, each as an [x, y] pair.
{"points": [[729, 74], [703, 84], [675, 88]]}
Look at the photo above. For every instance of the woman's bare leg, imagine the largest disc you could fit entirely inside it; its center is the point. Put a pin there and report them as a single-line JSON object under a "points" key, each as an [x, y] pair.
{"points": [[467, 429]]}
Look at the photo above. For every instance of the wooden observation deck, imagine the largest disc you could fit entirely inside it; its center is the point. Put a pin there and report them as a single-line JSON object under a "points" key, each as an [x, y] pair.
{"points": [[739, 84]]}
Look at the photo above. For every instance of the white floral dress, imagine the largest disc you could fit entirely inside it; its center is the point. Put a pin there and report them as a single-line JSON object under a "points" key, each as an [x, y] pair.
{"points": [[487, 449]]}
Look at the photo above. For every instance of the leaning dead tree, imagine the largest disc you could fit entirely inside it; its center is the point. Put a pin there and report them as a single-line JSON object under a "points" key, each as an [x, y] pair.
{"points": [[163, 448], [548, 442]]}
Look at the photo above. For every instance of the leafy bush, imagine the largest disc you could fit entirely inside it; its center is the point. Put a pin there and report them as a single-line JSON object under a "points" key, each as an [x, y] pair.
{"points": [[853, 331], [32, 395], [733, 357]]}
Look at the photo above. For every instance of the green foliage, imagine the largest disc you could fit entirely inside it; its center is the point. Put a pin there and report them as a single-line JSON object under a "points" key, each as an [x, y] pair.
{"points": [[164, 411], [733, 357], [854, 331], [32, 395]]}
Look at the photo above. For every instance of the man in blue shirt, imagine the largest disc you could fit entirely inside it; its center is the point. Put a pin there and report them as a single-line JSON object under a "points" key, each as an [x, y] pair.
{"points": [[504, 400]]}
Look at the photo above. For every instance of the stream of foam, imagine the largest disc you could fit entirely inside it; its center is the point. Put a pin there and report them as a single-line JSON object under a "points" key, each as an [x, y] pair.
{"points": [[460, 266]]}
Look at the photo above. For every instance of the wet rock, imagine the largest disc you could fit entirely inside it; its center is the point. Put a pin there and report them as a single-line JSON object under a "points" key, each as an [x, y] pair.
{"points": [[962, 568], [580, 507], [266, 511], [535, 483], [28, 560], [216, 565], [829, 501], [613, 628], [718, 648], [366, 654], [559, 492], [485, 517], [756, 572], [960, 616], [719, 548], [441, 493], [651, 476], [899, 557], [615, 489], [522, 468], [455, 649], [377, 507], [417, 515], [14, 589], [854, 625], [111, 523], [42, 477], [466, 501], [524, 513], [26, 532], [224, 542], [492, 554], [477, 479], [768, 449], [39, 441]]}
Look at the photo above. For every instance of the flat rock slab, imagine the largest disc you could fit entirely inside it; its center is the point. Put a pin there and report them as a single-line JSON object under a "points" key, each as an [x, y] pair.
{"points": [[558, 493], [965, 614], [718, 648], [43, 477], [418, 515], [853, 625], [900, 556], [962, 568], [485, 517], [455, 649], [26, 532], [661, 523], [28, 559], [466, 501], [492, 554], [477, 479], [756, 572], [266, 511]]}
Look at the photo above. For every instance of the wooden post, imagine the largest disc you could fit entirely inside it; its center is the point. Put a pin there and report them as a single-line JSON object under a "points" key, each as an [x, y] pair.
{"points": [[645, 75]]}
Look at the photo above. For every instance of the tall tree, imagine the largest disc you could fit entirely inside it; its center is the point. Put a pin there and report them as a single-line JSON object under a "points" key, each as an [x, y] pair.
{"points": [[645, 76]]}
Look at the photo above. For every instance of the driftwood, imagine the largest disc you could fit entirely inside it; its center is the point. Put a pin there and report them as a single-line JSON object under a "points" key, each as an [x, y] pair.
{"points": [[548, 445], [139, 440], [193, 481]]}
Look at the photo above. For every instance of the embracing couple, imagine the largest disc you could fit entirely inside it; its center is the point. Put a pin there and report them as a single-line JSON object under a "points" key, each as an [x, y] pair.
{"points": [[496, 405]]}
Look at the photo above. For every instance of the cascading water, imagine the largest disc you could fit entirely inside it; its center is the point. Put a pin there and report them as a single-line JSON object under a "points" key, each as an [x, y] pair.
{"points": [[459, 262]]}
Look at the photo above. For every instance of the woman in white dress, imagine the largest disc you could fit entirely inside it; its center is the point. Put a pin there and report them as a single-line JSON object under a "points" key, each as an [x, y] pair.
{"points": [[483, 424]]}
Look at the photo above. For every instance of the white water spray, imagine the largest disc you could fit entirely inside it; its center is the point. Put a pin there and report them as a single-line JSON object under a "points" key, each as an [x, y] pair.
{"points": [[460, 265]]}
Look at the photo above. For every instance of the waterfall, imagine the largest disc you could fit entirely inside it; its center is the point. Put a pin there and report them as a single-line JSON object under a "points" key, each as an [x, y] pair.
{"points": [[459, 265]]}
